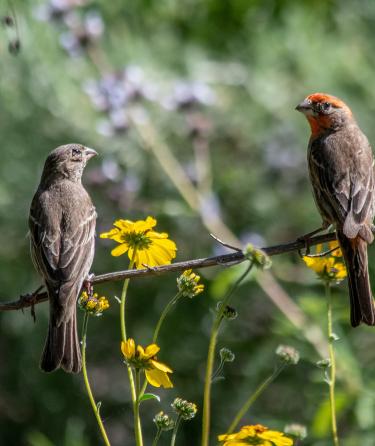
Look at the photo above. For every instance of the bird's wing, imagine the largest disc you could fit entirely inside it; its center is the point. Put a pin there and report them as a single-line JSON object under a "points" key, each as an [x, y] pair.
{"points": [[77, 243], [345, 177], [45, 235], [62, 238]]}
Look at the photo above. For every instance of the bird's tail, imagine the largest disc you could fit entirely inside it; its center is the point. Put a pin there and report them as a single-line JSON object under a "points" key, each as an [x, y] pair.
{"points": [[62, 347], [361, 301]]}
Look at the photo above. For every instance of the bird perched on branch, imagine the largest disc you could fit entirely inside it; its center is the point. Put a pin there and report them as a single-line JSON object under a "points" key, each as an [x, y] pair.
{"points": [[341, 168], [62, 231]]}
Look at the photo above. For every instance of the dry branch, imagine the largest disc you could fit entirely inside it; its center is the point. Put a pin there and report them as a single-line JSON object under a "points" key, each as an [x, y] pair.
{"points": [[29, 300]]}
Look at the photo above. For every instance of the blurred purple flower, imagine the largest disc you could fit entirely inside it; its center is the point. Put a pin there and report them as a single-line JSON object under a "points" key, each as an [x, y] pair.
{"points": [[56, 9], [186, 95]]}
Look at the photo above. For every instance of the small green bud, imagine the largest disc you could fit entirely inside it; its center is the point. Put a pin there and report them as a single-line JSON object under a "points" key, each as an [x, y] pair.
{"points": [[324, 364], [257, 256], [227, 355], [298, 431]]}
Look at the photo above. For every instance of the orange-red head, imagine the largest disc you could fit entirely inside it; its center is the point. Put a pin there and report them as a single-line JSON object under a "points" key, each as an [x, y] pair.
{"points": [[324, 112]]}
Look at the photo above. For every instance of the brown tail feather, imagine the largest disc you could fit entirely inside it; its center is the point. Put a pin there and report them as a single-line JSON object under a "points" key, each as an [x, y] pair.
{"points": [[62, 347], [361, 301]]}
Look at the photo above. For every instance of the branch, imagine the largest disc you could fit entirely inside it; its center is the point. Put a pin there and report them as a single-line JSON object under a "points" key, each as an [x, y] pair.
{"points": [[29, 300]]}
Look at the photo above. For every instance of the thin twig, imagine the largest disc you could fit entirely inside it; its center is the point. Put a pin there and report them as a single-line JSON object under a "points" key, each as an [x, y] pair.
{"points": [[236, 257]]}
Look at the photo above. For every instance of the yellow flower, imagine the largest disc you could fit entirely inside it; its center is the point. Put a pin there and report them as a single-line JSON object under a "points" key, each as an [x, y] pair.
{"points": [[327, 267], [141, 242], [93, 304], [255, 435], [156, 372]]}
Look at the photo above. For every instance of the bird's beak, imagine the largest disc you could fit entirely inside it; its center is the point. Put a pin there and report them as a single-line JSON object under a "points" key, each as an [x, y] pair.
{"points": [[90, 152], [304, 106]]}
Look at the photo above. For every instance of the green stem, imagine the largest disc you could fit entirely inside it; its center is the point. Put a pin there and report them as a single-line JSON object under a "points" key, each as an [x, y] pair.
{"points": [[206, 417], [254, 396], [218, 370], [332, 380], [157, 436], [166, 310], [175, 429], [137, 420], [95, 407], [123, 301], [133, 391]]}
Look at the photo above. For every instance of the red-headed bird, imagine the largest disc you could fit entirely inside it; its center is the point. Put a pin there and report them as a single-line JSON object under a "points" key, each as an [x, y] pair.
{"points": [[62, 238], [341, 168]]}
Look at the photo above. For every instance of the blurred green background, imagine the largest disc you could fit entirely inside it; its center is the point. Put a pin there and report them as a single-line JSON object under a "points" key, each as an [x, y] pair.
{"points": [[213, 83]]}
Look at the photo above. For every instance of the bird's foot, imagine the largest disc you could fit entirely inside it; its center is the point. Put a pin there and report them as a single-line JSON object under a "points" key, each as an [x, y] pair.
{"points": [[306, 239], [30, 299], [149, 268], [87, 284]]}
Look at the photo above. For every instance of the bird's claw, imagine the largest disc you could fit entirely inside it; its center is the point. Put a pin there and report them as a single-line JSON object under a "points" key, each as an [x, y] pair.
{"points": [[87, 284], [31, 299], [149, 268]]}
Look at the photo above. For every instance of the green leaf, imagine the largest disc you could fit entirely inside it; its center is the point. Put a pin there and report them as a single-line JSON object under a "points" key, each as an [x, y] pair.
{"points": [[149, 396]]}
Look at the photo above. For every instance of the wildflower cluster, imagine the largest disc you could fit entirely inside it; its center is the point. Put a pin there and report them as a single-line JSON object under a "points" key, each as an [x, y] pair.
{"points": [[188, 284], [255, 435], [328, 268], [136, 356], [184, 409], [288, 354], [144, 246], [94, 304]]}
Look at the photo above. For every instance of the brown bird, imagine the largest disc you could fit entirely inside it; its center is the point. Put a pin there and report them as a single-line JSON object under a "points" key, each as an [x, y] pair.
{"points": [[62, 238], [341, 168]]}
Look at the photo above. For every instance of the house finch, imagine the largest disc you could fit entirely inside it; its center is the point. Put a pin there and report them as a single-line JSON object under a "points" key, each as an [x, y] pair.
{"points": [[341, 168], [62, 230]]}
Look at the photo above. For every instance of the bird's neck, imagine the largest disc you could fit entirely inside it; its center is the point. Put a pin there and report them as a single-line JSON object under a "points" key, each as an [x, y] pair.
{"points": [[49, 178], [321, 125]]}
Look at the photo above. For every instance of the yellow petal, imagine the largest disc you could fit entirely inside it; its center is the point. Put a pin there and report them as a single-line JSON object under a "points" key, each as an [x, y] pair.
{"points": [[277, 438], [123, 225], [158, 378], [128, 348], [119, 250], [109, 234], [160, 366], [151, 350], [141, 352]]}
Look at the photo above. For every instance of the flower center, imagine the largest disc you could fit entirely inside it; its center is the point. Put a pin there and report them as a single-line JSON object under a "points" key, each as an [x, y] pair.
{"points": [[137, 240]]}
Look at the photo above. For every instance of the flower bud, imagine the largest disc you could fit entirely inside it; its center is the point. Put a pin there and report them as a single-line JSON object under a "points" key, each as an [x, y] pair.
{"points": [[94, 304], [188, 284], [227, 355], [288, 354], [296, 430], [257, 256], [184, 409], [163, 421]]}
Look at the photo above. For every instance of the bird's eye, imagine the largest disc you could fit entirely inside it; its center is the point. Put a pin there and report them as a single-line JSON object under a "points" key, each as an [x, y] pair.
{"points": [[326, 106], [76, 155]]}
